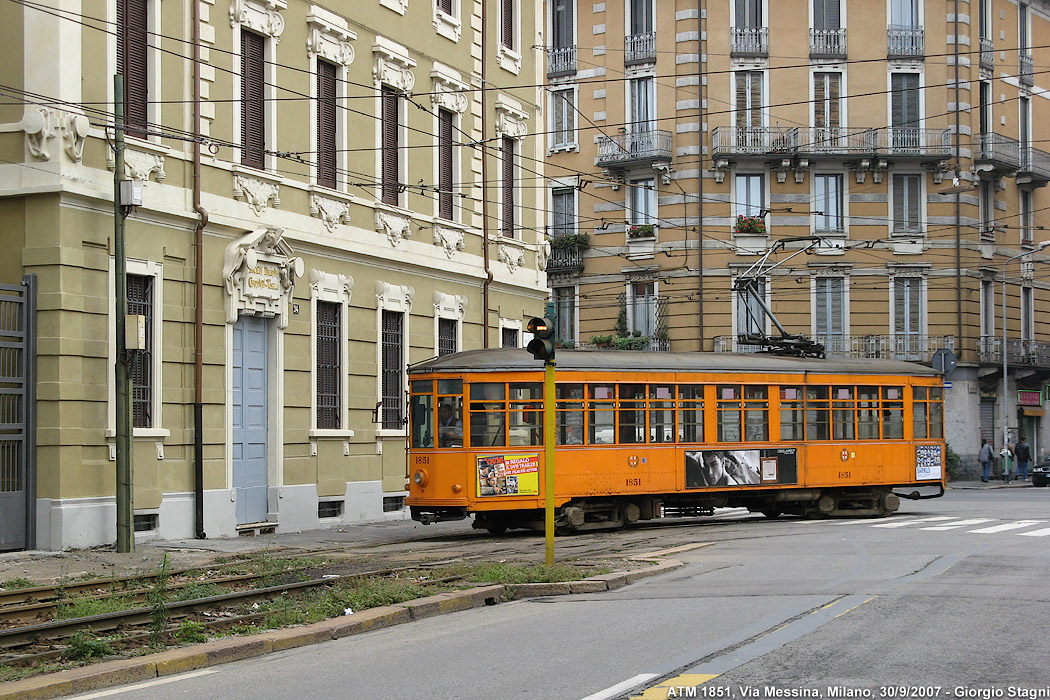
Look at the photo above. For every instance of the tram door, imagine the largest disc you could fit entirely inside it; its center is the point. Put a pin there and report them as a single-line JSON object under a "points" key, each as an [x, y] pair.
{"points": [[250, 409]]}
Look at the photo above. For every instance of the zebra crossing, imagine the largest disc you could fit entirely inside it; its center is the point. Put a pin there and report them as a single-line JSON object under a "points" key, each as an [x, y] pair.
{"points": [[936, 523]]}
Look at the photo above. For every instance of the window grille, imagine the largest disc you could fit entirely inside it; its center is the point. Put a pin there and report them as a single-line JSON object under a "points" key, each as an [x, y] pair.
{"points": [[140, 303], [329, 364], [393, 369]]}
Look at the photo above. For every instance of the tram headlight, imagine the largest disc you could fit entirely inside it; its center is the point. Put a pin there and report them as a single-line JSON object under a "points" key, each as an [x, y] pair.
{"points": [[420, 478]]}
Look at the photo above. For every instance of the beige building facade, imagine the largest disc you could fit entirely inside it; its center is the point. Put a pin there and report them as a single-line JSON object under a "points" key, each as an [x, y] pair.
{"points": [[355, 199], [903, 143]]}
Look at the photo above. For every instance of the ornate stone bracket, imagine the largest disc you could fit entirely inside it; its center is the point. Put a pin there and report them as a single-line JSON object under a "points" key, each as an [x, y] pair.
{"points": [[450, 305], [720, 167], [139, 164], [260, 16], [449, 89], [330, 287], [512, 255], [329, 38], [510, 118], [877, 167], [331, 212], [258, 194], [259, 272], [394, 297], [392, 65], [543, 254], [41, 124], [449, 239], [395, 226]]}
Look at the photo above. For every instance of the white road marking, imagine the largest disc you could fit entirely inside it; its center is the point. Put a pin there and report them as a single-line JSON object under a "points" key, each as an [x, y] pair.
{"points": [[620, 688], [1008, 526], [1036, 533], [147, 684], [916, 522], [961, 523]]}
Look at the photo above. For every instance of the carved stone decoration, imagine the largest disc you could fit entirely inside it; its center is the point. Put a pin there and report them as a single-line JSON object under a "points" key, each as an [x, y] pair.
{"points": [[258, 194], [450, 239], [75, 129], [140, 164], [331, 212], [449, 90], [509, 125], [395, 226], [39, 125], [450, 305], [259, 272], [392, 65], [330, 287], [394, 297], [329, 37], [262, 16], [513, 256], [543, 254], [398, 6]]}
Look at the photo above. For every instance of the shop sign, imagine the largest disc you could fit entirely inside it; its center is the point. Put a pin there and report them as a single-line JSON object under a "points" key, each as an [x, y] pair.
{"points": [[1029, 398], [991, 394]]}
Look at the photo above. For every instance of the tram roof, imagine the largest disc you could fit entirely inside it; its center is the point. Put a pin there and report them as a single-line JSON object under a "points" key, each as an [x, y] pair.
{"points": [[519, 360]]}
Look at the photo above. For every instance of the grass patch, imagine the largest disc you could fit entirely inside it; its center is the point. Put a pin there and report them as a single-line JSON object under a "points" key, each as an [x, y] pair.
{"points": [[85, 607], [17, 583], [85, 645], [194, 591], [505, 573], [12, 673]]}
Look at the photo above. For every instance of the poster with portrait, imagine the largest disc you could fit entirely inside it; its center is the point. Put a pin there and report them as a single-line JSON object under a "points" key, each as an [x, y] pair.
{"points": [[508, 475], [706, 468]]}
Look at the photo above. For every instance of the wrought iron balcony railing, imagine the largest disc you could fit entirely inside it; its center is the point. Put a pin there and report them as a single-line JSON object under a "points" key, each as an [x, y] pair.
{"points": [[1034, 168], [561, 61], [1026, 68], [904, 142], [1018, 352], [827, 43], [568, 259], [757, 140], [639, 48], [905, 42], [987, 54], [1000, 151], [915, 348], [635, 148], [749, 41]]}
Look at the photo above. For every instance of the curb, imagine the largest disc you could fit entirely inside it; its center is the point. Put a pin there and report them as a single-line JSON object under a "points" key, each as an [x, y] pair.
{"points": [[166, 663]]}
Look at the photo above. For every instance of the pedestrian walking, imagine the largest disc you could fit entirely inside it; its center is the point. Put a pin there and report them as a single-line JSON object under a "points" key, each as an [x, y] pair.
{"points": [[1005, 454], [1023, 454], [984, 456]]}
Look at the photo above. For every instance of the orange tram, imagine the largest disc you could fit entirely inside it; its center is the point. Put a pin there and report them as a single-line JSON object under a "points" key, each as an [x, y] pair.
{"points": [[657, 435]]}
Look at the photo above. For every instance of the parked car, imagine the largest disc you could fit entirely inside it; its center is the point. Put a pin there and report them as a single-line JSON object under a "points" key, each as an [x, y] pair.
{"points": [[1041, 472]]}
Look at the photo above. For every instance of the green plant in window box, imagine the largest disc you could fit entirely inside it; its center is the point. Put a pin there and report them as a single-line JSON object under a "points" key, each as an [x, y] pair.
{"points": [[602, 341], [641, 231], [581, 241], [751, 224]]}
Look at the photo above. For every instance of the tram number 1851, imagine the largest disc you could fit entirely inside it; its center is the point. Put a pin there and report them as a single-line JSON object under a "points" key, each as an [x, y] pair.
{"points": [[634, 481]]}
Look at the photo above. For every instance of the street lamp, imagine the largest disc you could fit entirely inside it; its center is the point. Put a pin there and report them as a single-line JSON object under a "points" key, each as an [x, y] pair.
{"points": [[1039, 246]]}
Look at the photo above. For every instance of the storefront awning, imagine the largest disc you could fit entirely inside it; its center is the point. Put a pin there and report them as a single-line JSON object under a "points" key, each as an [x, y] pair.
{"points": [[1033, 411]]}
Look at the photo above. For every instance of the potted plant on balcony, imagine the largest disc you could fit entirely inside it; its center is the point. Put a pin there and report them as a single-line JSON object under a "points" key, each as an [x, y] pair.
{"points": [[751, 224], [635, 231], [581, 241]]}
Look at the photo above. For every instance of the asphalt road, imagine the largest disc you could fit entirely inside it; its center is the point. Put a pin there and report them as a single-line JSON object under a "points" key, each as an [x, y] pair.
{"points": [[949, 598]]}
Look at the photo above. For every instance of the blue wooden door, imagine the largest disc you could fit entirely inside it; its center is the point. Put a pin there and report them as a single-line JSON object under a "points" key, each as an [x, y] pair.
{"points": [[249, 418]]}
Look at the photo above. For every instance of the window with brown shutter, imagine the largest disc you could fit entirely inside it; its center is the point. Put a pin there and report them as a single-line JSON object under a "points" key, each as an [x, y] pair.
{"points": [[389, 147], [509, 145], [506, 33], [329, 380], [140, 303], [445, 6], [132, 53], [253, 100], [445, 160], [326, 124]]}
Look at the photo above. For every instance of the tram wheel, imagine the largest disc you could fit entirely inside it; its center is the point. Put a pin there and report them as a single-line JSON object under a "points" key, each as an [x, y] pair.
{"points": [[772, 512], [496, 529]]}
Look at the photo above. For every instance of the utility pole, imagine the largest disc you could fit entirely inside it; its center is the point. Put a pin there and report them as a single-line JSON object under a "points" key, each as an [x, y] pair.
{"points": [[122, 366]]}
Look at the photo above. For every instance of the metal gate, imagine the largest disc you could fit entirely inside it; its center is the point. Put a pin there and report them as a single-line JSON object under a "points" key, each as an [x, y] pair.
{"points": [[18, 414]]}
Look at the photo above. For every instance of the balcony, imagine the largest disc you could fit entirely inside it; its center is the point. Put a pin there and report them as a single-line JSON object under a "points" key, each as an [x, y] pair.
{"points": [[987, 55], [827, 43], [639, 48], [914, 348], [749, 41], [561, 61], [1002, 153], [898, 142], [1018, 352], [1025, 67], [1034, 169], [905, 42], [634, 149], [566, 259]]}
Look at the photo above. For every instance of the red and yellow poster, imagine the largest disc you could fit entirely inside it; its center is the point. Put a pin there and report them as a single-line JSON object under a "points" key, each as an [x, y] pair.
{"points": [[509, 475]]}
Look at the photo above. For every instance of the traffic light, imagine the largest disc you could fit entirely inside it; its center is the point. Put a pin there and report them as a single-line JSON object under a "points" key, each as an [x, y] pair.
{"points": [[542, 344]]}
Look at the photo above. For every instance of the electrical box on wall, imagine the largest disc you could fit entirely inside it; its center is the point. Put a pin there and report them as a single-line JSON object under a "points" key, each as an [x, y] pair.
{"points": [[130, 193], [135, 332]]}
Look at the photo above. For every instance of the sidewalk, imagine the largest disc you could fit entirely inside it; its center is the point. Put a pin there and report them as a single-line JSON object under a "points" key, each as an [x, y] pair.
{"points": [[992, 484]]}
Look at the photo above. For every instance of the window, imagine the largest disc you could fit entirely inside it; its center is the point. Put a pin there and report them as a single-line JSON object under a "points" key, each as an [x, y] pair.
{"points": [[827, 109], [253, 99], [563, 212], [750, 195], [643, 105], [987, 308], [661, 413], [393, 369], [753, 403], [1024, 110], [507, 28], [507, 189], [446, 166], [828, 203], [132, 57], [1025, 203], [928, 412], [140, 303], [327, 148], [904, 14], [1027, 314], [829, 322], [569, 415], [748, 13], [630, 413], [826, 14], [390, 146], [445, 6], [509, 338], [792, 412], [506, 414], [563, 119], [984, 12], [642, 308], [1022, 27], [985, 111], [641, 204], [986, 194], [448, 333], [750, 318], [907, 204], [691, 416], [907, 311], [329, 365], [748, 106], [818, 424], [565, 311], [905, 99], [563, 13]]}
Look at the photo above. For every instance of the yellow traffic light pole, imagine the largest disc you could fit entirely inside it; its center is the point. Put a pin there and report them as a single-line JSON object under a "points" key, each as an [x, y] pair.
{"points": [[548, 461]]}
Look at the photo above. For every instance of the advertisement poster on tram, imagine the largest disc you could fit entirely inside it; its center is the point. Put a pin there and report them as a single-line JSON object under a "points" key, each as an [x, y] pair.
{"points": [[509, 475], [927, 462], [740, 467]]}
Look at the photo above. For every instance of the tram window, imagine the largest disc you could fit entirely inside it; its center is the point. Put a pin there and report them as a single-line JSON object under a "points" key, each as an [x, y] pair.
{"points": [[728, 413], [691, 416], [792, 415], [928, 412], [756, 414], [525, 414], [421, 409], [631, 413], [842, 413], [892, 413], [487, 427], [425, 386], [450, 420], [918, 416], [569, 414], [600, 414], [488, 391], [936, 412], [817, 413], [661, 413], [868, 412], [450, 386]]}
